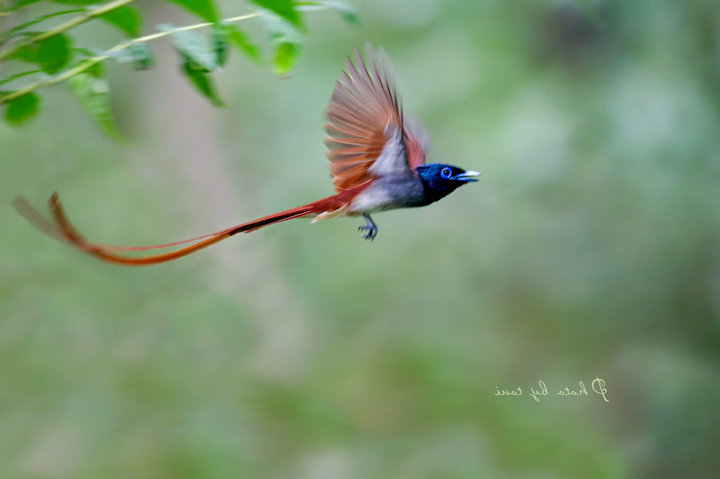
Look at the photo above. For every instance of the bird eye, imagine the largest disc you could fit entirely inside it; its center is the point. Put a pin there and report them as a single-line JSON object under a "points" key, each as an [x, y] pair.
{"points": [[445, 173]]}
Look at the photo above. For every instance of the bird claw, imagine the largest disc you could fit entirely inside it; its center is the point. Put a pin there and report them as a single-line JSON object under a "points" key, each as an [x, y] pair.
{"points": [[369, 227], [371, 232]]}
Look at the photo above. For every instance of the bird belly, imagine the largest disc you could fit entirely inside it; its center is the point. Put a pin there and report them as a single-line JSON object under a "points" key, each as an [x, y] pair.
{"points": [[387, 193], [370, 201]]}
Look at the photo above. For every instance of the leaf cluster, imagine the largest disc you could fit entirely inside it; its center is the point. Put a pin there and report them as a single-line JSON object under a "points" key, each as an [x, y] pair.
{"points": [[36, 52]]}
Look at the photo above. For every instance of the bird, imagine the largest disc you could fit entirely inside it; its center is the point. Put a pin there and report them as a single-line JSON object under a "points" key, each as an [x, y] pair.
{"points": [[377, 163]]}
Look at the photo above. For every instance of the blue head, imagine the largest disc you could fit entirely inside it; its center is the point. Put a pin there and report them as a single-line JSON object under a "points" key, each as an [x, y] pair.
{"points": [[440, 180]]}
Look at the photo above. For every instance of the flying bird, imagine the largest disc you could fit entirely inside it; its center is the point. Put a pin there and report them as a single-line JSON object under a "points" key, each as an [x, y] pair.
{"points": [[377, 163]]}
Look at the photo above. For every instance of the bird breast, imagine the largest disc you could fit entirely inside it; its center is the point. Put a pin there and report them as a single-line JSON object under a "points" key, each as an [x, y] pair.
{"points": [[387, 193]]}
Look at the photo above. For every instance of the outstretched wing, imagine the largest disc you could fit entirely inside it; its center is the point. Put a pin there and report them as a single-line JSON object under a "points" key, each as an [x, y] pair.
{"points": [[366, 135]]}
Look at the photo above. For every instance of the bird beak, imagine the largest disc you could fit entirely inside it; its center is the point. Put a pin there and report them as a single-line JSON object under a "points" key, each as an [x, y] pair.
{"points": [[468, 177]]}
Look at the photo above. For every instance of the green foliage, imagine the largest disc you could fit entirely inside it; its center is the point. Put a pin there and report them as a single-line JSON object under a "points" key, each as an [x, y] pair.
{"points": [[346, 11], [199, 57], [285, 40], [241, 41], [54, 52], [21, 109], [18, 75], [285, 56], [77, 2], [220, 43], [21, 3], [141, 56], [193, 46], [21, 28], [16, 4], [127, 19], [51, 54], [138, 54], [204, 9], [283, 8], [92, 90], [200, 79]]}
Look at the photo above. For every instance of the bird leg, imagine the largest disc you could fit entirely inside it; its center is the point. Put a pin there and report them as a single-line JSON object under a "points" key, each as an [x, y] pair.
{"points": [[370, 227]]}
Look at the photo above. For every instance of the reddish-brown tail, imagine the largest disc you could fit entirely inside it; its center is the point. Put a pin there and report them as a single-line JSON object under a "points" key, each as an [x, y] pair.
{"points": [[63, 230]]}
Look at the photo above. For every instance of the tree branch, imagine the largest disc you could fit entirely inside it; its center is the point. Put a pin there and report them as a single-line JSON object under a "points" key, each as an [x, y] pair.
{"points": [[87, 64], [63, 27]]}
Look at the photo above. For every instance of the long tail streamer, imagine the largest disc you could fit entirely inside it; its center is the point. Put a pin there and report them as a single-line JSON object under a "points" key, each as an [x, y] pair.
{"points": [[62, 230]]}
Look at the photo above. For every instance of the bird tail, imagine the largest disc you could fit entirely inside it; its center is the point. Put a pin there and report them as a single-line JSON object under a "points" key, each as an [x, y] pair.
{"points": [[61, 229]]}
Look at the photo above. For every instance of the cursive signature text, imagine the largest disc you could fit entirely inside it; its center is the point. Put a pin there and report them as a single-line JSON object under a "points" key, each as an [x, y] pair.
{"points": [[541, 390]]}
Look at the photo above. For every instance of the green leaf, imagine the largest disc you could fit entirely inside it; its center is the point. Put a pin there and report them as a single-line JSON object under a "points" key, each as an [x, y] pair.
{"points": [[138, 53], [77, 2], [53, 53], [204, 9], [285, 41], [126, 19], [21, 3], [193, 46], [18, 29], [201, 80], [198, 59], [87, 52], [243, 43], [220, 37], [18, 75], [347, 12], [92, 90], [21, 109], [142, 57], [241, 40], [26, 54], [283, 8], [284, 57]]}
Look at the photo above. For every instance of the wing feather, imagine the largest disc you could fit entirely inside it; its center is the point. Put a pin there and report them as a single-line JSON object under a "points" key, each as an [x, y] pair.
{"points": [[366, 137]]}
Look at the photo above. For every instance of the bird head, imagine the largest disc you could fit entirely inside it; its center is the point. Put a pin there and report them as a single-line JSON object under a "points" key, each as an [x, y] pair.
{"points": [[440, 180]]}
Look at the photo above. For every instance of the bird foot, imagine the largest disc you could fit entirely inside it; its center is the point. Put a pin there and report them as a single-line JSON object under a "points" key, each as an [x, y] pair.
{"points": [[370, 228], [371, 232]]}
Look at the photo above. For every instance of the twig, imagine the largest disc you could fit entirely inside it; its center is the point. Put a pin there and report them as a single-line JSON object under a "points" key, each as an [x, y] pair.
{"points": [[87, 64], [63, 27]]}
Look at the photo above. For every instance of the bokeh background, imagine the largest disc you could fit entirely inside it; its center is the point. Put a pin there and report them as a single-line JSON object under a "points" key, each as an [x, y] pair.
{"points": [[590, 249]]}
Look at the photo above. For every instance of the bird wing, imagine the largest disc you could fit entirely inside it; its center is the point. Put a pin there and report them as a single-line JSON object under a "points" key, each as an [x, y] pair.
{"points": [[416, 142], [366, 136]]}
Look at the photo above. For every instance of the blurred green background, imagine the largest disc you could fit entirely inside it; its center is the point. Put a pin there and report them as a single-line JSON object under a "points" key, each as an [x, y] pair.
{"points": [[590, 248]]}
